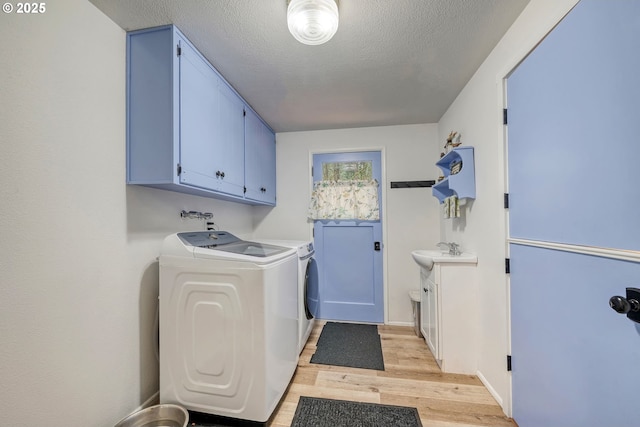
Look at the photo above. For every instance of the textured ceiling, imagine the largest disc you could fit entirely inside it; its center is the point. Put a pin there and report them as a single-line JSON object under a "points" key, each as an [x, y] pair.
{"points": [[391, 62]]}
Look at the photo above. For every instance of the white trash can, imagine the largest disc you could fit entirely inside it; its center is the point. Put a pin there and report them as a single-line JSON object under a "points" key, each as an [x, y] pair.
{"points": [[415, 305]]}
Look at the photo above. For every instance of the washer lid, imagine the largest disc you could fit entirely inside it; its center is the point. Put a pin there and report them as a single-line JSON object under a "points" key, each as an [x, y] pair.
{"points": [[207, 239], [261, 250], [209, 243], [304, 247]]}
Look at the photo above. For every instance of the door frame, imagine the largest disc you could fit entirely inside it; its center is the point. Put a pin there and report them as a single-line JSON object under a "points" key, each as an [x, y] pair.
{"points": [[383, 205]]}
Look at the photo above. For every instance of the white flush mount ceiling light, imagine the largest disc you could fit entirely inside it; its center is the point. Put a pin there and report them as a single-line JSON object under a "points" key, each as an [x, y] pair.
{"points": [[312, 22]]}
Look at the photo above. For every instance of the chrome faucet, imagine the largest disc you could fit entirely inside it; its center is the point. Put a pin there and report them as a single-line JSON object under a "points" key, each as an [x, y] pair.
{"points": [[454, 248]]}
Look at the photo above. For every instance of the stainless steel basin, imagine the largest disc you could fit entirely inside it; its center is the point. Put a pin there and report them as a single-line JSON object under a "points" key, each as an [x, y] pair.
{"points": [[157, 416]]}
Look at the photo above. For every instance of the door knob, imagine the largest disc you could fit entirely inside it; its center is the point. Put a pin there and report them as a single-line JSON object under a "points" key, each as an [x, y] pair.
{"points": [[623, 305], [629, 305]]}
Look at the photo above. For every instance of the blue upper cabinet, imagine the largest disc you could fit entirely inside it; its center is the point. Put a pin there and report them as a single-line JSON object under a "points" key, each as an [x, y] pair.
{"points": [[459, 175], [260, 160], [185, 124]]}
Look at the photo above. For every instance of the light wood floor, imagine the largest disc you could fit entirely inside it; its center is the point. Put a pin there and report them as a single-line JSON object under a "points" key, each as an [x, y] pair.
{"points": [[411, 378]]}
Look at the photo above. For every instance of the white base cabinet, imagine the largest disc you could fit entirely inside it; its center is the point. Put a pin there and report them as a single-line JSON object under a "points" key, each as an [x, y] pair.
{"points": [[449, 315]]}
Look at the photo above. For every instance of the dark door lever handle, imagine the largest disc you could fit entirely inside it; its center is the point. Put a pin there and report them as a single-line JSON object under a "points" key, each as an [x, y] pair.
{"points": [[629, 305], [623, 305]]}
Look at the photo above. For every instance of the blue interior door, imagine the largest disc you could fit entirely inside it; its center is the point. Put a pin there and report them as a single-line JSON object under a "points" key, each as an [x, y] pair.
{"points": [[573, 175], [349, 256]]}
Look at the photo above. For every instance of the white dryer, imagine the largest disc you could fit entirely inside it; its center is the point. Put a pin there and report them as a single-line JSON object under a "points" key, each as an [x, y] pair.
{"points": [[307, 286], [228, 324]]}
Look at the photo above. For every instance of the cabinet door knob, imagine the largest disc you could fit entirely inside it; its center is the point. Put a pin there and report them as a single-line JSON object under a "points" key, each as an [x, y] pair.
{"points": [[425, 289]]}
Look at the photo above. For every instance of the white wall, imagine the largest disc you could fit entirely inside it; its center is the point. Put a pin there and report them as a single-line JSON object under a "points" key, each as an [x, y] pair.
{"points": [[78, 269], [477, 114], [410, 215]]}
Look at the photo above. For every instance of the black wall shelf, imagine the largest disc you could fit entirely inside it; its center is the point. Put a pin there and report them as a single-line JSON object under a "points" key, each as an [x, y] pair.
{"points": [[412, 184]]}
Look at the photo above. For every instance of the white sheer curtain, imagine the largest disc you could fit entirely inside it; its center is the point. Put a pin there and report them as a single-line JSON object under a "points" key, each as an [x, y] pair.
{"points": [[356, 200]]}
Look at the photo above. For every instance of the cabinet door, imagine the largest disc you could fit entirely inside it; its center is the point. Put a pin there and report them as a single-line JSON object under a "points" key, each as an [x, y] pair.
{"points": [[229, 141], [433, 334], [429, 313], [198, 110], [260, 160], [211, 127], [424, 306]]}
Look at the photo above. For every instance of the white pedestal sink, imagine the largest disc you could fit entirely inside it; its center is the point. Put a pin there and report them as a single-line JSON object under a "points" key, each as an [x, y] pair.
{"points": [[426, 258]]}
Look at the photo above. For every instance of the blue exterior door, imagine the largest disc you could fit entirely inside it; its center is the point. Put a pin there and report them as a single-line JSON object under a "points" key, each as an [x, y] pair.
{"points": [[349, 256], [574, 229]]}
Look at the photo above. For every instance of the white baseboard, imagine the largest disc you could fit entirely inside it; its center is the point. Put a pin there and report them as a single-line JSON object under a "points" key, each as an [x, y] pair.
{"points": [[400, 324], [493, 392]]}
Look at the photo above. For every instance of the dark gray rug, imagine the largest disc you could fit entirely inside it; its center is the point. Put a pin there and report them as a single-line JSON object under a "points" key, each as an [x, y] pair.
{"points": [[200, 419], [349, 344], [315, 412]]}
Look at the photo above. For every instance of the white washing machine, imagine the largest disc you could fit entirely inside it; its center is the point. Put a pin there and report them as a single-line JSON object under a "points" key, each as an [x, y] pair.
{"points": [[307, 286], [228, 324]]}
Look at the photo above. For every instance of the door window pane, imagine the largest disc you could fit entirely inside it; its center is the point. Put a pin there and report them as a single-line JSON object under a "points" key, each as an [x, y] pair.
{"points": [[347, 171]]}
